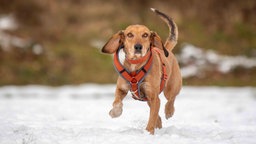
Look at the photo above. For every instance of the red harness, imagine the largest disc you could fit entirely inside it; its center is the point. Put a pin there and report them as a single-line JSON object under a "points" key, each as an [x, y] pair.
{"points": [[135, 78]]}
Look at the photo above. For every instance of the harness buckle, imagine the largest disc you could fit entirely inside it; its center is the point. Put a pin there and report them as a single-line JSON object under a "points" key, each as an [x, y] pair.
{"points": [[134, 80]]}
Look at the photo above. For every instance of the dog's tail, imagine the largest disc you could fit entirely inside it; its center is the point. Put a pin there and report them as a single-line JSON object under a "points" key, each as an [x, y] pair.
{"points": [[173, 30]]}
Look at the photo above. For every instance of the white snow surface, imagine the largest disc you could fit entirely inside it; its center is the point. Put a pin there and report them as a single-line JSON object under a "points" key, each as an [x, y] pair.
{"points": [[79, 115], [196, 61]]}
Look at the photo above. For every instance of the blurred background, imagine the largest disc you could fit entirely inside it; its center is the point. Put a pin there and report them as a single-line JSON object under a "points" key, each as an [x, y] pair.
{"points": [[58, 42]]}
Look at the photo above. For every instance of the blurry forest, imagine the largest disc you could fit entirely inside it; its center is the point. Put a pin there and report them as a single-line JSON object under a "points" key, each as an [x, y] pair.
{"points": [[56, 42]]}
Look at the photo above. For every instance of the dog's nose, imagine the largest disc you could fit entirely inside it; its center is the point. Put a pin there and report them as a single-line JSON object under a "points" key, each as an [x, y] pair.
{"points": [[138, 47]]}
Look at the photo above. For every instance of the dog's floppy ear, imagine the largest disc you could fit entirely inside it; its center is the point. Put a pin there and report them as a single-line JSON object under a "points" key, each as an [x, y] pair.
{"points": [[113, 43], [157, 42]]}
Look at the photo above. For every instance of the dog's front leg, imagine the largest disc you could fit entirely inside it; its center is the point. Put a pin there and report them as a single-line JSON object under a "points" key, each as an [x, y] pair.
{"points": [[117, 109], [154, 104]]}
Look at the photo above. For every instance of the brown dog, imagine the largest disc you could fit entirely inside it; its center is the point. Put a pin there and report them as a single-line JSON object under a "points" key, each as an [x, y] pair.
{"points": [[137, 41]]}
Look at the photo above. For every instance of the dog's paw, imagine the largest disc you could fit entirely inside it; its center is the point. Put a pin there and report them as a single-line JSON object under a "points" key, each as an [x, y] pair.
{"points": [[115, 112], [151, 130], [169, 110]]}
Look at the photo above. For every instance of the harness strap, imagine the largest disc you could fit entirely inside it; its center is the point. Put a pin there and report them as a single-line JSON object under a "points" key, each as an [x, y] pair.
{"points": [[135, 78], [140, 60], [164, 72]]}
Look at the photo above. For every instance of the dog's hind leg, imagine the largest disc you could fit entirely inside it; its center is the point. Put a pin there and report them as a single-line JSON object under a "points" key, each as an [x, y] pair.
{"points": [[172, 89]]}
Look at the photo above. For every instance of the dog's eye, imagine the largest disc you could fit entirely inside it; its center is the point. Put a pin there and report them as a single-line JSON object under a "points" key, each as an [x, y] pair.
{"points": [[145, 35], [130, 35]]}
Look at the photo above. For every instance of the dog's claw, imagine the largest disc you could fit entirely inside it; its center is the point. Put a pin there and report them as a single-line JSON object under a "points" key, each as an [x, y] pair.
{"points": [[115, 112]]}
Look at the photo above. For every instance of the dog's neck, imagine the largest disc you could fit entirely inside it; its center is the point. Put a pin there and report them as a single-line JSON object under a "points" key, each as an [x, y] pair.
{"points": [[133, 67]]}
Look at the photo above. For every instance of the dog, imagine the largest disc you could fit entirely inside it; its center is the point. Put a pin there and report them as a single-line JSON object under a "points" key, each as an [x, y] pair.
{"points": [[149, 68]]}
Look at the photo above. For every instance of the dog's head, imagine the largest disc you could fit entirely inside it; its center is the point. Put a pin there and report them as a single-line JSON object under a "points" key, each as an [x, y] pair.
{"points": [[136, 41]]}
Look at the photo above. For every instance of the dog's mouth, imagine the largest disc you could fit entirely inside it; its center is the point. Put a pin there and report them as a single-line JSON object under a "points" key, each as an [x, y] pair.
{"points": [[135, 56]]}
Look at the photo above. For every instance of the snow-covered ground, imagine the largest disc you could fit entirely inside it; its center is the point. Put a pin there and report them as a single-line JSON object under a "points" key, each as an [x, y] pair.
{"points": [[79, 114]]}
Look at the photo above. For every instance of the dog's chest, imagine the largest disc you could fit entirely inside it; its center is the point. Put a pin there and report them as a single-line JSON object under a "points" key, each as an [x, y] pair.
{"points": [[132, 67]]}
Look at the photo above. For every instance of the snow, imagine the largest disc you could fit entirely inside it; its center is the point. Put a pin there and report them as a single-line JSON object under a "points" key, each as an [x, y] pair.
{"points": [[79, 114], [9, 41], [8, 22], [195, 61]]}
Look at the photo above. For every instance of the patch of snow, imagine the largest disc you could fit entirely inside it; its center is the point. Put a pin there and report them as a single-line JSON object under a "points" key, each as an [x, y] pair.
{"points": [[19, 42], [8, 22], [228, 63], [79, 114], [37, 49], [8, 41], [196, 61], [190, 52]]}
